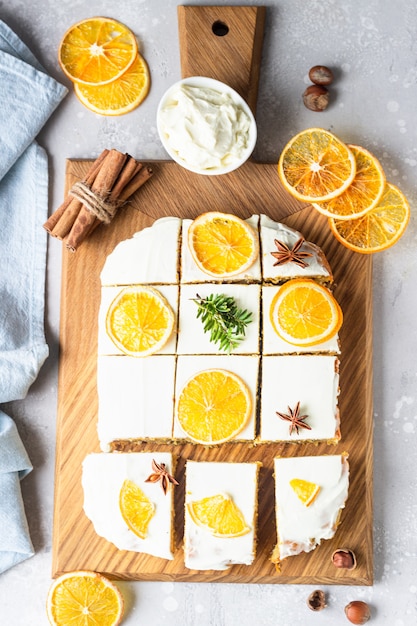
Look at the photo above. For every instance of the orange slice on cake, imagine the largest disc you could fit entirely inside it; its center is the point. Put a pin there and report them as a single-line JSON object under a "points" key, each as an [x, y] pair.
{"points": [[316, 166], [214, 406], [306, 491], [139, 321], [222, 245], [136, 508], [219, 515], [305, 313]]}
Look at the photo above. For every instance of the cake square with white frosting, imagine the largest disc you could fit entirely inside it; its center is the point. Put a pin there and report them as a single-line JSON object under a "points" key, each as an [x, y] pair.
{"points": [[149, 257], [166, 263], [303, 520], [135, 398], [191, 273], [245, 367], [313, 262], [309, 381], [108, 294], [191, 336], [103, 478], [208, 485], [272, 342]]}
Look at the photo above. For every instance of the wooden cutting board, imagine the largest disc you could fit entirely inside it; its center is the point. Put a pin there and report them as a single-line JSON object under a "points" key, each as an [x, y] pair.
{"points": [[235, 59]]}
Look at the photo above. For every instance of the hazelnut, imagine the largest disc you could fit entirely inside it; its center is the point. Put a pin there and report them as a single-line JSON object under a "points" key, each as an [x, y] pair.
{"points": [[357, 612], [321, 75], [344, 558], [316, 98], [316, 601]]}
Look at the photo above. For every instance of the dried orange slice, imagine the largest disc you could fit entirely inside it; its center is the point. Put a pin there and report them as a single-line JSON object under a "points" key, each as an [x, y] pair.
{"points": [[84, 598], [139, 321], [305, 490], [136, 508], [96, 51], [379, 228], [222, 245], [304, 313], [219, 515], [121, 95], [213, 406], [315, 166], [363, 194]]}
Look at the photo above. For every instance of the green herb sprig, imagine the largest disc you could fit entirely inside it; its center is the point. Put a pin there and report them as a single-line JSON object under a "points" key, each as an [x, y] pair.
{"points": [[223, 319]]}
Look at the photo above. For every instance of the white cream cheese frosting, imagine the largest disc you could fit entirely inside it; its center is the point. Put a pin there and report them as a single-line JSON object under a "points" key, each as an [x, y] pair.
{"points": [[204, 127], [301, 528], [317, 265], [150, 256], [159, 255], [191, 337], [135, 398], [202, 550], [102, 479], [312, 380]]}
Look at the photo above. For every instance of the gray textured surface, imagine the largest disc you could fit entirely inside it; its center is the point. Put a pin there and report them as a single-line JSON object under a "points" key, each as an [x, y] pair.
{"points": [[372, 48]]}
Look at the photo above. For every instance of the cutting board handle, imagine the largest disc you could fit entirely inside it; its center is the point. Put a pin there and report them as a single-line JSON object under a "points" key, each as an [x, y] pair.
{"points": [[225, 43]]}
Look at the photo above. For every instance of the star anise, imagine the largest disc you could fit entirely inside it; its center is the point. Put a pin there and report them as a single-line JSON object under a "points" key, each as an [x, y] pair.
{"points": [[284, 254], [293, 416], [160, 474]]}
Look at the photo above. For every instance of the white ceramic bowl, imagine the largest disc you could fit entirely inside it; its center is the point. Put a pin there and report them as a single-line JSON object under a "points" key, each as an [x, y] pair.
{"points": [[208, 83]]}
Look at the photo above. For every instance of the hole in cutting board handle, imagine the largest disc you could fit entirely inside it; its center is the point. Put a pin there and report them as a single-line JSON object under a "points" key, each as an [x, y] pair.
{"points": [[219, 28]]}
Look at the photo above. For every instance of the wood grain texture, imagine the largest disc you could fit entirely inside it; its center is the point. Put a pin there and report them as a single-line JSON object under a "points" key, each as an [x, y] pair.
{"points": [[75, 543], [254, 188], [233, 58]]}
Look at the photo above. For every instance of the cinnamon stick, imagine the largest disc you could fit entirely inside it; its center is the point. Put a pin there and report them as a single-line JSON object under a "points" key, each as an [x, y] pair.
{"points": [[110, 181], [139, 178], [105, 180], [142, 175], [126, 175], [60, 222]]}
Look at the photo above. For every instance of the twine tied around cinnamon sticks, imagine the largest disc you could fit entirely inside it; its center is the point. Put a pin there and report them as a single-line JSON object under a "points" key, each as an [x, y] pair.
{"points": [[98, 206], [108, 184]]}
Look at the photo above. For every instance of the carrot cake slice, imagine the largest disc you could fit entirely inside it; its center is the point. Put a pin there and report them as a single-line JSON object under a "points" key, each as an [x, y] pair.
{"points": [[108, 295], [191, 336], [299, 398], [310, 493], [214, 405], [220, 514], [191, 273], [128, 497], [272, 343], [149, 257], [135, 398], [286, 254]]}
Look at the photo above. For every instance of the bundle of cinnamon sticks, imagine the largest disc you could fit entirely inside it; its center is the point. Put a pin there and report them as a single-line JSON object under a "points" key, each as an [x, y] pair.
{"points": [[108, 184]]}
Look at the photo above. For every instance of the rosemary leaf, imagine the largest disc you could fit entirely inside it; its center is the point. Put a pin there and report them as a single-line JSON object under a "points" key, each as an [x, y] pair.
{"points": [[223, 319]]}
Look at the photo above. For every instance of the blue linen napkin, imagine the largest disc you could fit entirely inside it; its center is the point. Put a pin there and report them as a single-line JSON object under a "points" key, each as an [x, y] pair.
{"points": [[28, 96], [15, 544]]}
